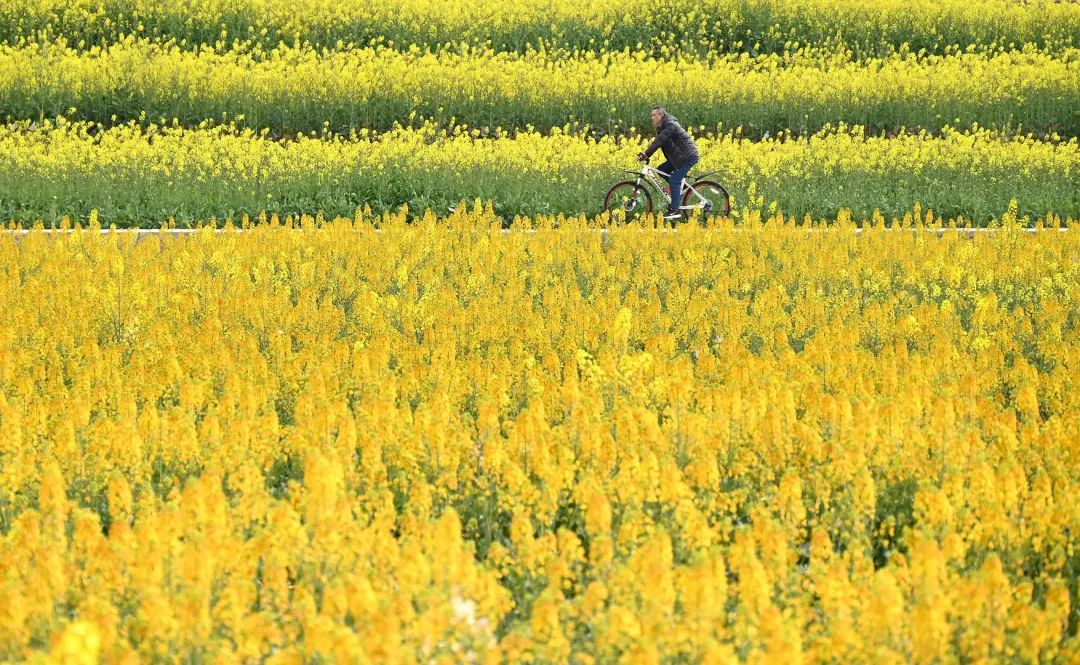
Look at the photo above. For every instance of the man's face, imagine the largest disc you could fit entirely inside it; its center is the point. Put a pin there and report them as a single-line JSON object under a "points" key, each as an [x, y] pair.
{"points": [[657, 118]]}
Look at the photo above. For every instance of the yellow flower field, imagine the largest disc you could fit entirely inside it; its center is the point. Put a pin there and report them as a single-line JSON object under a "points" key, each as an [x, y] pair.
{"points": [[703, 25], [319, 345], [300, 88], [370, 441]]}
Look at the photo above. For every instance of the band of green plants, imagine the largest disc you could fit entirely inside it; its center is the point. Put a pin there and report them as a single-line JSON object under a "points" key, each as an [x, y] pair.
{"points": [[136, 176]]}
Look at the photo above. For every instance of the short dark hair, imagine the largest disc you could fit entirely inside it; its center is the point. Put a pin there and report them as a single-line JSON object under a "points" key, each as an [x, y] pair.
{"points": [[659, 108]]}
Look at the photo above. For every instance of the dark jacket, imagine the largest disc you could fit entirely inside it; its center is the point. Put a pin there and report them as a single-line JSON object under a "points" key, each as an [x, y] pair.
{"points": [[677, 145]]}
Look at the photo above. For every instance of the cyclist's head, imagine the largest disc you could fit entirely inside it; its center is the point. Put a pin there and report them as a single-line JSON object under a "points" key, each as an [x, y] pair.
{"points": [[658, 114]]}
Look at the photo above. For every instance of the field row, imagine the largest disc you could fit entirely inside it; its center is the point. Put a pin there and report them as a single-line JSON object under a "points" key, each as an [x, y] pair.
{"points": [[679, 26], [141, 177], [299, 89], [747, 444]]}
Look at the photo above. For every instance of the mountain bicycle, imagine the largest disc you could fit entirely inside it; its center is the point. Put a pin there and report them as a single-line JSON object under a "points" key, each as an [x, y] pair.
{"points": [[632, 196]]}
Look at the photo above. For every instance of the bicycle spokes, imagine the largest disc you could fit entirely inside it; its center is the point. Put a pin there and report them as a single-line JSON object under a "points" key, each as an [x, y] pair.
{"points": [[630, 200], [708, 197], [629, 197]]}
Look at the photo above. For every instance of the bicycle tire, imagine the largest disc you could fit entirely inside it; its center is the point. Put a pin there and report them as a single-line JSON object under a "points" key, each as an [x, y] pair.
{"points": [[611, 199], [721, 207]]}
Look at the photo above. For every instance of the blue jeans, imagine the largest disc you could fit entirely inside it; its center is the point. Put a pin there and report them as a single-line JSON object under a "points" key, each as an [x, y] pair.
{"points": [[676, 179]]}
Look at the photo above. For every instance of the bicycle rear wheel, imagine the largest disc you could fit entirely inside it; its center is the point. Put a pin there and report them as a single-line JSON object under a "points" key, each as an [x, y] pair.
{"points": [[717, 201], [629, 197]]}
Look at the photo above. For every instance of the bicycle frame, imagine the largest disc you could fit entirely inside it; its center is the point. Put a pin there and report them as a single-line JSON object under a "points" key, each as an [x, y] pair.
{"points": [[656, 178]]}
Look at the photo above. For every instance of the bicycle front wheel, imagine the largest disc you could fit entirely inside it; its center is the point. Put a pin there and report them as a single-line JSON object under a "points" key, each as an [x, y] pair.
{"points": [[629, 197], [709, 197]]}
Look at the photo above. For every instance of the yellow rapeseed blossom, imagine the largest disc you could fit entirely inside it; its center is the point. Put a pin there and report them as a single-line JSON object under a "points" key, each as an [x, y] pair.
{"points": [[698, 24], [294, 89], [389, 440]]}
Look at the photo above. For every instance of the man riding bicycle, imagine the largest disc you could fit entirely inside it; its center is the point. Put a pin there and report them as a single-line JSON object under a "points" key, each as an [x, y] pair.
{"points": [[679, 149]]}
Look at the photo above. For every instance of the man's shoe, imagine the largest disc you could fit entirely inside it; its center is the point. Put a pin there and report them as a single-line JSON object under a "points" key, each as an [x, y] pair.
{"points": [[673, 214]]}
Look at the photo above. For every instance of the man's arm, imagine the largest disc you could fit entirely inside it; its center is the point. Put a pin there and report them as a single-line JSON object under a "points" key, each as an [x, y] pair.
{"points": [[661, 137]]}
